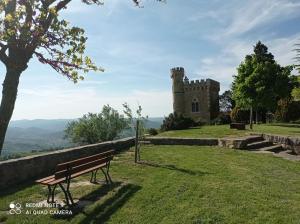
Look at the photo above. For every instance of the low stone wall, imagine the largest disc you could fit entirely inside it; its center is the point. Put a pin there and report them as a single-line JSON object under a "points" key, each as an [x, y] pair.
{"points": [[233, 143], [28, 168], [240, 142], [287, 142], [182, 141]]}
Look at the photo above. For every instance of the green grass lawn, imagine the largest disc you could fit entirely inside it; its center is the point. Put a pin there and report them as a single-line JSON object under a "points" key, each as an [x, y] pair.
{"points": [[219, 131], [180, 184]]}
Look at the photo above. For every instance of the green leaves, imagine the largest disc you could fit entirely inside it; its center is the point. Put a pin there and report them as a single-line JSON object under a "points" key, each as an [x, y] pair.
{"points": [[93, 128], [261, 82], [34, 28]]}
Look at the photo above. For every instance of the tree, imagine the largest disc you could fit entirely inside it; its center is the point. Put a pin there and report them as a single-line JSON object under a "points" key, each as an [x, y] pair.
{"points": [[261, 82], [138, 123], [296, 90], [226, 101], [93, 128], [176, 122], [32, 28]]}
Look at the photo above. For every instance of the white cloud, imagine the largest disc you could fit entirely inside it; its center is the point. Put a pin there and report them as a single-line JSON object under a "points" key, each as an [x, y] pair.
{"points": [[258, 13], [223, 66]]}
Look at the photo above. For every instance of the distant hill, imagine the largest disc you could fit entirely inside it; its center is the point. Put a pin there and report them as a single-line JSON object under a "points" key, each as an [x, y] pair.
{"points": [[42, 134], [53, 124]]}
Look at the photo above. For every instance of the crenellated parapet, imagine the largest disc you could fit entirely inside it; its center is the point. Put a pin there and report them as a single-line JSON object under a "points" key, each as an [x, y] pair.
{"points": [[201, 84], [178, 71], [198, 99]]}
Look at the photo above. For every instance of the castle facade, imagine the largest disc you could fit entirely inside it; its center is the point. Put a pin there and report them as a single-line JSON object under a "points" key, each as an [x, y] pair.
{"points": [[198, 99]]}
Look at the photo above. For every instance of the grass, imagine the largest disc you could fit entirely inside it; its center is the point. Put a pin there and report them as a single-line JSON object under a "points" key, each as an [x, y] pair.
{"points": [[180, 184], [220, 131]]}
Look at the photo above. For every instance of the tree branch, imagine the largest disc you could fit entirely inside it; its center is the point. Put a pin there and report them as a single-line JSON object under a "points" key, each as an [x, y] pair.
{"points": [[3, 56]]}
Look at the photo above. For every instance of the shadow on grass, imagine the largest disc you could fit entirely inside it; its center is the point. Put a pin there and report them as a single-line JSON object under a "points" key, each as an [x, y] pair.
{"points": [[102, 212], [11, 190], [173, 167]]}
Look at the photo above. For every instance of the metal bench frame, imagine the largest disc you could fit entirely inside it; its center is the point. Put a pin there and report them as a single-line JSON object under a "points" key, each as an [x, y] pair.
{"points": [[67, 182]]}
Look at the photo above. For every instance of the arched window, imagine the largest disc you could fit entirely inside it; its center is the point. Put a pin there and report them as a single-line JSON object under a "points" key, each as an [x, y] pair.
{"points": [[195, 106]]}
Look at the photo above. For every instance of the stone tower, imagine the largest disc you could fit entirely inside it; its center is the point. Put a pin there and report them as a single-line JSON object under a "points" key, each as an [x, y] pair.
{"points": [[177, 75], [198, 99]]}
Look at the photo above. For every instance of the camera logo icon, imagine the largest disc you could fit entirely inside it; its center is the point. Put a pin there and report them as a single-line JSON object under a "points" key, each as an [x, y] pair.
{"points": [[15, 208]]}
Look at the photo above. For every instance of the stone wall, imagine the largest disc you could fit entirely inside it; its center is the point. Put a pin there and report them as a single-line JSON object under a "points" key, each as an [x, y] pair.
{"points": [[29, 168], [182, 141], [287, 142]]}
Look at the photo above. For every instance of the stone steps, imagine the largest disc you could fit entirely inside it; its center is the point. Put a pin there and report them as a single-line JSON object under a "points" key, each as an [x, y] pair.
{"points": [[259, 144], [272, 148], [254, 138]]}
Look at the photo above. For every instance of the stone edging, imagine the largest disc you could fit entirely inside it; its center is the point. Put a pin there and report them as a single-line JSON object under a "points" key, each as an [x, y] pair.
{"points": [[182, 141]]}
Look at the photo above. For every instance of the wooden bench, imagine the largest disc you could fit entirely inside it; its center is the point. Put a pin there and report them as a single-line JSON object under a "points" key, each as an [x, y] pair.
{"points": [[64, 172], [239, 126]]}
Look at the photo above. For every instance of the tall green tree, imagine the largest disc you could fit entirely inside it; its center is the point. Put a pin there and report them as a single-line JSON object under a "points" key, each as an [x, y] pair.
{"points": [[33, 28], [261, 81]]}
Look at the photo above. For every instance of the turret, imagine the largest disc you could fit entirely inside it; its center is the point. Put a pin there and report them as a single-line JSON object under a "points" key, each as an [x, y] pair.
{"points": [[177, 75]]}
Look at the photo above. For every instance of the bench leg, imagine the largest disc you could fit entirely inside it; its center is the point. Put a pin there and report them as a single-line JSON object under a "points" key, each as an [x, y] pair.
{"points": [[107, 172], [93, 177], [51, 193], [105, 175], [67, 193]]}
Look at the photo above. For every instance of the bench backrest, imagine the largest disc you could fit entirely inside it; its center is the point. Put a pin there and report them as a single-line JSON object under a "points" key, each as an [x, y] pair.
{"points": [[82, 164]]}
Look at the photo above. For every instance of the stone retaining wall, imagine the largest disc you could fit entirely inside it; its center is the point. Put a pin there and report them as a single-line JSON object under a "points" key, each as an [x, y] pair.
{"points": [[287, 142], [182, 141], [28, 168]]}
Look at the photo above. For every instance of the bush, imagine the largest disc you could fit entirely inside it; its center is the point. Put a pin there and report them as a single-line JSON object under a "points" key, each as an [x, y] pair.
{"points": [[177, 122], [222, 118], [239, 115], [287, 111], [152, 131], [92, 128]]}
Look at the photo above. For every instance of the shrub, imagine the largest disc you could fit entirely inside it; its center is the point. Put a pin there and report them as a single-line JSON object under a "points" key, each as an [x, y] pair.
{"points": [[287, 110], [92, 128], [152, 131], [177, 122], [222, 118], [239, 115]]}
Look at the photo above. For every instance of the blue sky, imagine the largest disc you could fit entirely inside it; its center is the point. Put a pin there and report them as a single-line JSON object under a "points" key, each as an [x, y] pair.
{"points": [[138, 46]]}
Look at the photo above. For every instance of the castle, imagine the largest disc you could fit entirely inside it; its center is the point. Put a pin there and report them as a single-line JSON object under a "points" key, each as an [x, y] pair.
{"points": [[198, 100]]}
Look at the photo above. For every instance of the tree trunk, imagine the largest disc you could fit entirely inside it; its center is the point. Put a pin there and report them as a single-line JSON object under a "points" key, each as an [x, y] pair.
{"points": [[9, 95], [256, 117], [136, 142], [251, 118]]}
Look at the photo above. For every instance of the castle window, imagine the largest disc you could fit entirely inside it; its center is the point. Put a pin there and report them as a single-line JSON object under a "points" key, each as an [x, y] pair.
{"points": [[195, 106]]}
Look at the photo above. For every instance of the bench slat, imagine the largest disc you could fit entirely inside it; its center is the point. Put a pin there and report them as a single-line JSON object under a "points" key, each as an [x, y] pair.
{"points": [[44, 179], [77, 162], [82, 167], [57, 181]]}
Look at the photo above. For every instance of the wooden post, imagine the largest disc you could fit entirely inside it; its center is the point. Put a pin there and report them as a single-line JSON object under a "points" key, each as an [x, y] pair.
{"points": [[136, 141]]}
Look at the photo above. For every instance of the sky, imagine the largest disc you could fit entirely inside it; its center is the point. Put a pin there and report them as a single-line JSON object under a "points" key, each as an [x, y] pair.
{"points": [[137, 47]]}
